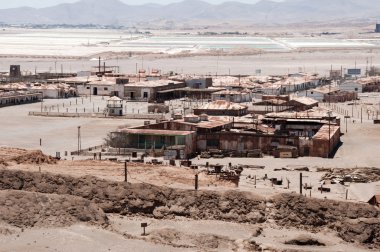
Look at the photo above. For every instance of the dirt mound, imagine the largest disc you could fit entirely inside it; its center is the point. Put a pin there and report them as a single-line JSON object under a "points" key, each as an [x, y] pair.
{"points": [[26, 209], [35, 157], [353, 222], [21, 156]]}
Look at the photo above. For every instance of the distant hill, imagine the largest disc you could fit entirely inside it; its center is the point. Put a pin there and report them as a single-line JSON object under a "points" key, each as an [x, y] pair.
{"points": [[114, 12]]}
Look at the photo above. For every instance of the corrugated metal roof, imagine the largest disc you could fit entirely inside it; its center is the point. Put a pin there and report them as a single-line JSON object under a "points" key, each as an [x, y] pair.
{"points": [[305, 100], [323, 133], [223, 105]]}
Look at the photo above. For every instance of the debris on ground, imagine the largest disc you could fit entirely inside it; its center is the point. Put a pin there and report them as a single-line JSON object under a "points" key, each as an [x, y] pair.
{"points": [[353, 175]]}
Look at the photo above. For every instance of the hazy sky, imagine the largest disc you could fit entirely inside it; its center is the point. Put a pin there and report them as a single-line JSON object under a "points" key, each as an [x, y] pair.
{"points": [[43, 3]]}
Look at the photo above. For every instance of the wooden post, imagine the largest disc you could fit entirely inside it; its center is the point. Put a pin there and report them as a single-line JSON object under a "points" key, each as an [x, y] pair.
{"points": [[301, 183], [125, 171], [196, 182], [346, 194]]}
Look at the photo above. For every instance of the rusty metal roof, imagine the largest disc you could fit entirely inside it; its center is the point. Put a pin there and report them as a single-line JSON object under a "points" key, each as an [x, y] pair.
{"points": [[323, 133]]}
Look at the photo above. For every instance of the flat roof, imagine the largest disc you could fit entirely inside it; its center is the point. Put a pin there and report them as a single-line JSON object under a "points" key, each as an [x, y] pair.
{"points": [[186, 89], [156, 132], [155, 83]]}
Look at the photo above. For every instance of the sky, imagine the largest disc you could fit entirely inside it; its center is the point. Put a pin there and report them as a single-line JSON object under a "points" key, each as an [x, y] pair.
{"points": [[4, 4]]}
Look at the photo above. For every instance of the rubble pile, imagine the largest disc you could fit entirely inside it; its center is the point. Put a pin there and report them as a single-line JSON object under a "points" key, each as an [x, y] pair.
{"points": [[354, 175], [35, 157], [21, 156]]}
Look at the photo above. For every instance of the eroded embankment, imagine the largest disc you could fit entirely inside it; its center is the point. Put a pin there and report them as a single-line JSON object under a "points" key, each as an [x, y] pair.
{"points": [[27, 209], [352, 222], [145, 199]]}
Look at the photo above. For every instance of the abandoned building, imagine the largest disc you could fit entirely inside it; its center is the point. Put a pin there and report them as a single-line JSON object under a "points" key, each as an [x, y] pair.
{"points": [[222, 108], [114, 106], [281, 103], [149, 90], [318, 132], [288, 135], [180, 135], [94, 85], [232, 96], [301, 103], [16, 98]]}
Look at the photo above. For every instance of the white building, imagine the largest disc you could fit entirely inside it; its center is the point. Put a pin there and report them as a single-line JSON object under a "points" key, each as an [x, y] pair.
{"points": [[102, 86], [232, 96], [114, 106], [351, 86], [319, 93]]}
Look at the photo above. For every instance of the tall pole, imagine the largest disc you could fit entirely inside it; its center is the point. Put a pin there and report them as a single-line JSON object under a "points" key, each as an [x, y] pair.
{"points": [[361, 114], [301, 183], [328, 155], [79, 141]]}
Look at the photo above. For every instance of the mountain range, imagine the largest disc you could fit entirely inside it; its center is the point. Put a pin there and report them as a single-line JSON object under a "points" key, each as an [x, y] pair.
{"points": [[115, 12]]}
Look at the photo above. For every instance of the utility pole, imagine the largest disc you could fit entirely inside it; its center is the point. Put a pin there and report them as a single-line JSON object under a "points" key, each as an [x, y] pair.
{"points": [[329, 121]]}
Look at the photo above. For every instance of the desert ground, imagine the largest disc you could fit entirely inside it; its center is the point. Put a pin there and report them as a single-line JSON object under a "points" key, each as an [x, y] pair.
{"points": [[80, 204]]}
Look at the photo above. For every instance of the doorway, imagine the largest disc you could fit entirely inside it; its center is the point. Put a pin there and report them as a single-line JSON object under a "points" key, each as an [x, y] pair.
{"points": [[95, 91]]}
